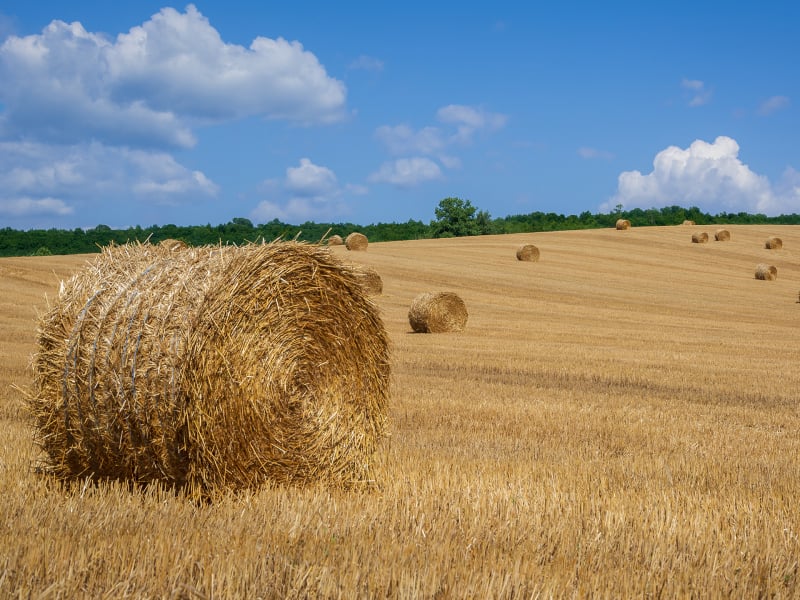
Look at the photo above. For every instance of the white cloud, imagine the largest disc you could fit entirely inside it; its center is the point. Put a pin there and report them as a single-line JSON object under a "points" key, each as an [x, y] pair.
{"points": [[407, 172], [311, 181], [773, 104], [469, 119], [68, 85], [31, 207], [592, 153], [710, 176], [698, 93], [402, 139]]}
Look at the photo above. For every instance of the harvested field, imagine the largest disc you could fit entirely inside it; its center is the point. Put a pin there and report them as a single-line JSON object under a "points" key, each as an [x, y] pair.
{"points": [[596, 431]]}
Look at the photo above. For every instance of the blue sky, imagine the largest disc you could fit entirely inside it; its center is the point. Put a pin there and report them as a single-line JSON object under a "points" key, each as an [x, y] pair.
{"points": [[148, 113]]}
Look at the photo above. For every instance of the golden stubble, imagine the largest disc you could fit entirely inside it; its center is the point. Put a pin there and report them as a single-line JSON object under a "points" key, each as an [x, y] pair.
{"points": [[617, 419]]}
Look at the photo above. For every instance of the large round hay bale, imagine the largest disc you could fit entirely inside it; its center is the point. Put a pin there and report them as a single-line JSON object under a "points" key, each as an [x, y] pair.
{"points": [[213, 367], [701, 237], [335, 240], [356, 241], [528, 252], [722, 235], [369, 279], [688, 222], [173, 245], [766, 272], [774, 243], [437, 312], [623, 224]]}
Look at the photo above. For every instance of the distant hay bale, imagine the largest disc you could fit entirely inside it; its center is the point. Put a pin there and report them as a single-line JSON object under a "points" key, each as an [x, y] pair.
{"points": [[437, 312], [528, 252], [173, 245], [335, 240], [212, 368], [766, 272], [688, 222], [368, 277], [774, 243], [701, 237], [623, 224], [356, 241], [722, 235]]}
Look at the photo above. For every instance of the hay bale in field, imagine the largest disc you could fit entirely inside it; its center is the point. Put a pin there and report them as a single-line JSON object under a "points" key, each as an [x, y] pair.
{"points": [[214, 368], [356, 241], [688, 222], [774, 243], [623, 224], [701, 237], [766, 272], [173, 245], [437, 312], [528, 252], [335, 240], [722, 235], [368, 277]]}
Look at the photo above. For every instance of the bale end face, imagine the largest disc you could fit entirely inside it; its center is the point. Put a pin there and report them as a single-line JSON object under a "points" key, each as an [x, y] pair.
{"points": [[722, 235], [623, 224], [766, 272], [774, 243], [356, 241], [437, 312], [700, 237], [528, 252]]}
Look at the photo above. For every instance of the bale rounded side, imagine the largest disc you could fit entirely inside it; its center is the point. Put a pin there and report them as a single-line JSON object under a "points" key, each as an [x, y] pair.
{"points": [[219, 368], [701, 237], [774, 243], [722, 235], [528, 252], [437, 312], [356, 241], [335, 240], [368, 277], [766, 272], [623, 224]]}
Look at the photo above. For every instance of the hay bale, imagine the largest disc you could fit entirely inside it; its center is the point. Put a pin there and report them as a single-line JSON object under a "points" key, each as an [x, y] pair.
{"points": [[369, 279], [437, 312], [766, 272], [688, 222], [528, 252], [701, 237], [356, 241], [623, 224], [774, 243], [212, 368], [722, 235], [173, 245], [335, 240]]}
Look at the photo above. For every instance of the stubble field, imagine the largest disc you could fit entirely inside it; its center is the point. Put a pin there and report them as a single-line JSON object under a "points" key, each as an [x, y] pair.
{"points": [[619, 419]]}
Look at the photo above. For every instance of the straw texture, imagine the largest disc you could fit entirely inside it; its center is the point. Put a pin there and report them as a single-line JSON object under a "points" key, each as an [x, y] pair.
{"points": [[701, 237], [217, 368], [528, 252], [335, 240], [688, 222], [623, 224], [774, 243], [437, 312], [766, 272], [722, 235], [368, 277], [356, 241]]}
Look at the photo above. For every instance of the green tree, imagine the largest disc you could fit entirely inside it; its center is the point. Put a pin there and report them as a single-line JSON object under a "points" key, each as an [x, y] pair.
{"points": [[454, 218]]}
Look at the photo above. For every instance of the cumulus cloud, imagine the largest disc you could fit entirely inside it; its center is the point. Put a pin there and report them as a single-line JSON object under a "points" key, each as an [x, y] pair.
{"points": [[773, 104], [306, 192], [697, 92], [407, 172], [41, 180], [419, 149], [710, 176]]}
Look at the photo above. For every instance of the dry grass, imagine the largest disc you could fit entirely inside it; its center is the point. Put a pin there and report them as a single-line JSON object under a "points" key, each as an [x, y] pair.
{"points": [[573, 441]]}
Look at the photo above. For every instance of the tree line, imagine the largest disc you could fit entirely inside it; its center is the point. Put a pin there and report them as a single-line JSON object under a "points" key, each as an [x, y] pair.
{"points": [[454, 218]]}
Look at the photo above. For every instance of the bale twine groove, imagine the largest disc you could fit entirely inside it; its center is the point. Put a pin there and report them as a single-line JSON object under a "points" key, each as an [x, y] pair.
{"points": [[623, 224], [774, 243], [437, 312], [215, 368], [356, 241], [335, 240], [701, 237], [528, 252], [722, 235], [766, 272]]}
